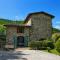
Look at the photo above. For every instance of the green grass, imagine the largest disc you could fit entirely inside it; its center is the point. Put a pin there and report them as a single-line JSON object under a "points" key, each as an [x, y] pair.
{"points": [[53, 51]]}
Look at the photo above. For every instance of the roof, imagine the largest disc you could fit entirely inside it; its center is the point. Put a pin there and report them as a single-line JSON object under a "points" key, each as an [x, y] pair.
{"points": [[16, 25], [37, 13]]}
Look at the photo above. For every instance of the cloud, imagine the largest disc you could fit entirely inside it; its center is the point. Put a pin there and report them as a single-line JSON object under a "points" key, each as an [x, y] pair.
{"points": [[58, 27], [58, 22], [16, 17]]}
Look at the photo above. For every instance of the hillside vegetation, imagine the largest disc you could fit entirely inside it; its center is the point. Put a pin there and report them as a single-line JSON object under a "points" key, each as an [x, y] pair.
{"points": [[54, 30], [6, 21]]}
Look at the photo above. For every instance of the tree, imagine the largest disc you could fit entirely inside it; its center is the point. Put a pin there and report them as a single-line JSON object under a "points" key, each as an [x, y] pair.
{"points": [[57, 45], [55, 36]]}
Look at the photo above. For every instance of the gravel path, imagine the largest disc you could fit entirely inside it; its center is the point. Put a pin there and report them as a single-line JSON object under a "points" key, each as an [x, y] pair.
{"points": [[27, 55]]}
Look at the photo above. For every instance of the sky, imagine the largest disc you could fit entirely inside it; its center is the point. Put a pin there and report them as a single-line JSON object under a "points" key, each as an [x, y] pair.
{"points": [[19, 9]]}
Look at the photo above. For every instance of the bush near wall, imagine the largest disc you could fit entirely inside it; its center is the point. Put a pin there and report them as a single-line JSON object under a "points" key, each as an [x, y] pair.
{"points": [[38, 45], [50, 44], [41, 45]]}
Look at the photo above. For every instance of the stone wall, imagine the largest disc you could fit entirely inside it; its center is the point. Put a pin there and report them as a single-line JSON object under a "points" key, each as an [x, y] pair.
{"points": [[41, 27], [10, 33], [26, 36], [26, 31]]}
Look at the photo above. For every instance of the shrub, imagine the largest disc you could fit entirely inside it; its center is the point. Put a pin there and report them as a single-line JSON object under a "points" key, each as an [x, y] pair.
{"points": [[55, 37], [32, 44], [44, 44], [50, 44], [38, 45], [48, 48], [57, 45]]}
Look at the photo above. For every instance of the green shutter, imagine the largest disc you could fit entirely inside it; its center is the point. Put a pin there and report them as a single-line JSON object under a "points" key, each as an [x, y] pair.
{"points": [[15, 41], [26, 39]]}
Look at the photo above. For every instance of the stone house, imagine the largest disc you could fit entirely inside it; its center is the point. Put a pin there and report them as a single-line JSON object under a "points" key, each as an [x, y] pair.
{"points": [[36, 26]]}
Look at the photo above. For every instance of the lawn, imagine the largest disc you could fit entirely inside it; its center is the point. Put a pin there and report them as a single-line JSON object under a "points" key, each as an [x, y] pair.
{"points": [[53, 51]]}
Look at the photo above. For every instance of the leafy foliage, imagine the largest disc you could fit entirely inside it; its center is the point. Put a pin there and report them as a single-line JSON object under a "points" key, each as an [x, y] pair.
{"points": [[57, 45], [38, 45], [55, 36], [3, 29], [41, 45], [54, 30], [6, 21], [50, 44]]}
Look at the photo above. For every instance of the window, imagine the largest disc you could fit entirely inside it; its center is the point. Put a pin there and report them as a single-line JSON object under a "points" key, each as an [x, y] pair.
{"points": [[20, 30]]}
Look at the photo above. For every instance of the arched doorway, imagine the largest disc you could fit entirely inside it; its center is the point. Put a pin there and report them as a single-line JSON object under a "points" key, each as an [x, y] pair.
{"points": [[20, 41]]}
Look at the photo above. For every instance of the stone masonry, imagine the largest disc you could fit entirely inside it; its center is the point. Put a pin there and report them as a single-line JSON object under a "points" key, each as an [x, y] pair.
{"points": [[36, 26]]}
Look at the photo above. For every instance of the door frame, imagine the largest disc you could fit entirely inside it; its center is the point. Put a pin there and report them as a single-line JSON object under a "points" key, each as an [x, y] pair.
{"points": [[20, 43]]}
